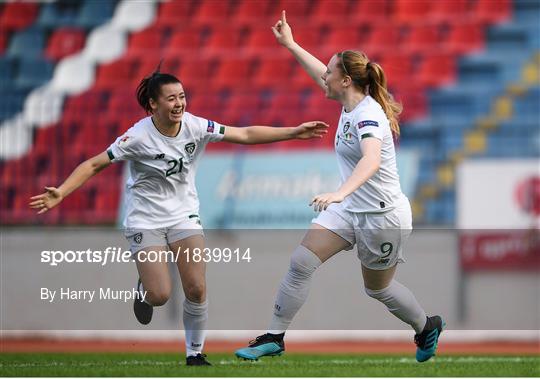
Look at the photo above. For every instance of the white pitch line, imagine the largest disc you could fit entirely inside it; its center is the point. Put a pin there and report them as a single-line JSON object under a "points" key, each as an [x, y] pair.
{"points": [[285, 362]]}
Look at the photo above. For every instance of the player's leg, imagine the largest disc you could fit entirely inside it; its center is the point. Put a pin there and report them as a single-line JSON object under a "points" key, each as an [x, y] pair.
{"points": [[154, 284], [318, 245], [154, 281], [380, 241], [192, 270]]}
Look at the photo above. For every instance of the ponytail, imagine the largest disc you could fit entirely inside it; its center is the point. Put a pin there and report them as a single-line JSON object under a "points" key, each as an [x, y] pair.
{"points": [[150, 87], [379, 91]]}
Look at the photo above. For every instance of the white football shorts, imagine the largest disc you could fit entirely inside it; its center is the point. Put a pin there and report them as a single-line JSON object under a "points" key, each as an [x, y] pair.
{"points": [[140, 239], [379, 237]]}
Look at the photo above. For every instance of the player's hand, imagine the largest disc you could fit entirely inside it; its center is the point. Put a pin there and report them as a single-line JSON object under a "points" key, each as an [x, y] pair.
{"points": [[312, 129], [322, 201], [47, 200], [283, 31]]}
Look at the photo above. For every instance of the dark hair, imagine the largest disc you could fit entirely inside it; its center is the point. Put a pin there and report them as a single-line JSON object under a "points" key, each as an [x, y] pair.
{"points": [[150, 87], [370, 75]]}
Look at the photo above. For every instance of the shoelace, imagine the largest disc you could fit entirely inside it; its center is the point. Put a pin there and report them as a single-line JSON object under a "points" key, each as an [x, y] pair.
{"points": [[257, 339]]}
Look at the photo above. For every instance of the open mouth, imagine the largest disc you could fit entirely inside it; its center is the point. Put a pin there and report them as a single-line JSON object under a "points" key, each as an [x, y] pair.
{"points": [[177, 112]]}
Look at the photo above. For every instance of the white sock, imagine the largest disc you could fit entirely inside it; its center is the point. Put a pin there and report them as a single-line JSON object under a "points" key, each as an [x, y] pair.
{"points": [[401, 302], [294, 289], [195, 317]]}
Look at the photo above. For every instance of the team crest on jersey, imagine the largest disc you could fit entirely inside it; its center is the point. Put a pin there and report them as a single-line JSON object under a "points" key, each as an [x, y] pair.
{"points": [[159, 156], [138, 237], [190, 149], [210, 127], [364, 123], [346, 127]]}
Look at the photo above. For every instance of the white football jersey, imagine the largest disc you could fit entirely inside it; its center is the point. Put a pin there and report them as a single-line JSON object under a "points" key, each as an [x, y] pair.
{"points": [[160, 190], [382, 190]]}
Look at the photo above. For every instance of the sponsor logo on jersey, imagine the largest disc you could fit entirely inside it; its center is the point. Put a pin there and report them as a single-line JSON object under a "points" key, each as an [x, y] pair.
{"points": [[210, 127], [159, 156], [138, 237], [346, 127], [364, 123], [190, 148]]}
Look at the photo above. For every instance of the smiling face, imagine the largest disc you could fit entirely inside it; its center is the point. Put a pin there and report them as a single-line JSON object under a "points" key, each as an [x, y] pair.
{"points": [[170, 105], [334, 79]]}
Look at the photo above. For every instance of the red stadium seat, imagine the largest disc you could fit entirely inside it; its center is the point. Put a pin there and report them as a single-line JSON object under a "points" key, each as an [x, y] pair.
{"points": [[328, 12], [262, 43], [17, 15], [398, 68], [209, 12], [449, 11], [3, 40], [223, 42], [301, 80], [146, 43], [382, 39], [407, 11], [117, 73], [414, 100], [464, 38], [369, 12], [233, 73], [492, 11], [273, 73], [253, 13], [195, 74], [307, 36], [296, 10], [174, 13], [422, 38], [241, 108], [148, 65], [63, 42], [184, 42], [342, 38], [437, 69]]}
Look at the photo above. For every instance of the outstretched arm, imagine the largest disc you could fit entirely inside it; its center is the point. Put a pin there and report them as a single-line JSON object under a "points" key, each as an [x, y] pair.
{"points": [[265, 134], [314, 67], [53, 196]]}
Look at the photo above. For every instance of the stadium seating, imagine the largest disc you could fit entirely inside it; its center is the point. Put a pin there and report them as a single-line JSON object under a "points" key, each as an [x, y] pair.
{"points": [[446, 61], [63, 42]]}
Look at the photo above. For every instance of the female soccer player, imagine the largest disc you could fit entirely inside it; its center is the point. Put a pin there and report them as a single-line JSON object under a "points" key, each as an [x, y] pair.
{"points": [[368, 209], [162, 212]]}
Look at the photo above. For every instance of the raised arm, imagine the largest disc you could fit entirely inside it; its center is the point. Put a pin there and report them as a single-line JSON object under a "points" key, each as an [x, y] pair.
{"points": [[53, 196], [252, 135], [314, 67]]}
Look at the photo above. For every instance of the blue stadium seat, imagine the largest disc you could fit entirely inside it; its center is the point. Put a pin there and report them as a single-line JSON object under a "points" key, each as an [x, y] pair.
{"points": [[28, 43], [93, 13], [59, 13], [12, 104], [8, 70], [33, 72]]}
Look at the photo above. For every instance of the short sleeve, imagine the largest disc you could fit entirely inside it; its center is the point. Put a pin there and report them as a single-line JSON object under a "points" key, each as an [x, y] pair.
{"points": [[369, 128], [124, 148], [213, 131]]}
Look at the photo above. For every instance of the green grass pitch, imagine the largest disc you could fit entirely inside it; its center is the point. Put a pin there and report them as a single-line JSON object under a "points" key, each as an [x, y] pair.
{"points": [[291, 365]]}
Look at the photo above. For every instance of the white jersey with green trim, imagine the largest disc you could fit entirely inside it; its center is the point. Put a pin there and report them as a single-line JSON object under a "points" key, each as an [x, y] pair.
{"points": [[160, 190], [382, 190]]}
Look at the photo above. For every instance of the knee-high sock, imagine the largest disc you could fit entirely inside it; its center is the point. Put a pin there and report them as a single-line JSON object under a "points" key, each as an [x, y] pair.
{"points": [[401, 302], [195, 317], [294, 289]]}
